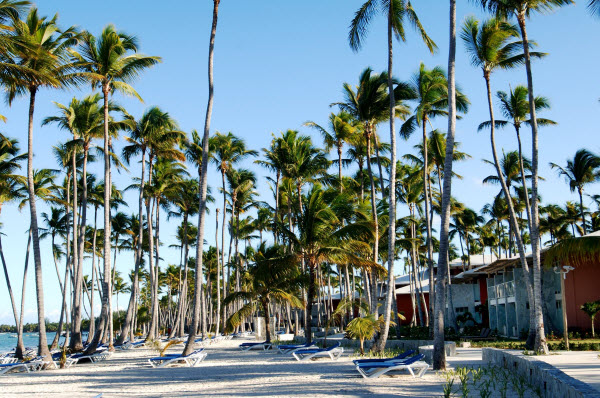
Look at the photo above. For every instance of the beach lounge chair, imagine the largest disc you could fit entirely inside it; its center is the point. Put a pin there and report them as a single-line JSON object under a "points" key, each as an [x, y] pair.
{"points": [[33, 365], [191, 360], [249, 346], [398, 357], [333, 352], [376, 369], [289, 348]]}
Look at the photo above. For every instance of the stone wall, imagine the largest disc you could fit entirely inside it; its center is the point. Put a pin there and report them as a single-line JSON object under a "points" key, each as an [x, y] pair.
{"points": [[553, 382]]}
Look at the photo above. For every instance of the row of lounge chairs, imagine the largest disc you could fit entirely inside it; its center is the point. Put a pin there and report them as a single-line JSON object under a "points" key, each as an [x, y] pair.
{"points": [[368, 368]]}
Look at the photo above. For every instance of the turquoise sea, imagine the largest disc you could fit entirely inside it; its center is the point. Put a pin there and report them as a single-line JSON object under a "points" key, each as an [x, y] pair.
{"points": [[8, 341]]}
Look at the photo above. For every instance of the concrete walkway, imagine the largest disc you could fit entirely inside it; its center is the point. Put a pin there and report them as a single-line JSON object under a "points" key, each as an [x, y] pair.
{"points": [[581, 365]]}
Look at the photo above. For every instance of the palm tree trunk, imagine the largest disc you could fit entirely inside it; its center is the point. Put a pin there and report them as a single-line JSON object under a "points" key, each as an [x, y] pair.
{"points": [[37, 258], [439, 352], [76, 343], [107, 251], [540, 337], [189, 347], [131, 308], [391, 283], [54, 343], [513, 218], [219, 267], [218, 303], [8, 285], [375, 223], [580, 191], [20, 345], [80, 250], [92, 328]]}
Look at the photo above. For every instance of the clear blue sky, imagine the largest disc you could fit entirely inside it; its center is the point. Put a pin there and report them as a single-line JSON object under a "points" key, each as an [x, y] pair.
{"points": [[281, 63]]}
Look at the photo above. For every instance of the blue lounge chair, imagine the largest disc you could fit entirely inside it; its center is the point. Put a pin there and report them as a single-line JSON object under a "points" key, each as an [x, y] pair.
{"points": [[399, 357], [191, 360], [249, 346], [289, 348], [376, 369], [334, 352]]}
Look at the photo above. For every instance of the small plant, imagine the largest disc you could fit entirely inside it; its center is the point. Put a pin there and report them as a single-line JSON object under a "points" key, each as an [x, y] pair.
{"points": [[485, 389], [463, 377], [364, 328], [520, 385], [591, 308], [448, 387]]}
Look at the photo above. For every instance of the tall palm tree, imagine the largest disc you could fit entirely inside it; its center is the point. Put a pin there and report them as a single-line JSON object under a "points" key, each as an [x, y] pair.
{"points": [[154, 130], [186, 204], [583, 169], [431, 86], [273, 160], [439, 354], [110, 62], [189, 346], [342, 128], [397, 13], [522, 10], [369, 104], [226, 150], [44, 49], [84, 119], [515, 108], [495, 44]]}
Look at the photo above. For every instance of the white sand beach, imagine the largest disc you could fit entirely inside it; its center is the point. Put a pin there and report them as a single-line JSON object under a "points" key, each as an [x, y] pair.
{"points": [[226, 372]]}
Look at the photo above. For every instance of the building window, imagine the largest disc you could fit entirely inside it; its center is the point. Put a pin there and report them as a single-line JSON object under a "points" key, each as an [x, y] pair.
{"points": [[527, 305], [558, 304], [462, 310]]}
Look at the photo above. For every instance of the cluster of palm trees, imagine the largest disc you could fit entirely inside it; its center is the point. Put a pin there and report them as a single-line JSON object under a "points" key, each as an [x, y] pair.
{"points": [[325, 232]]}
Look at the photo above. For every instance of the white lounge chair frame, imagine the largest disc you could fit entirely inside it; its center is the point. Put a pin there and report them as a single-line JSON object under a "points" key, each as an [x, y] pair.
{"points": [[375, 372], [292, 350], [264, 346], [191, 360], [334, 354]]}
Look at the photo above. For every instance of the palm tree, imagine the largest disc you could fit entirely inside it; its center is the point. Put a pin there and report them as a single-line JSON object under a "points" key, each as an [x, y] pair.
{"points": [[491, 46], [186, 203], [369, 104], [522, 10], [153, 132], [515, 108], [110, 62], [580, 171], [84, 119], [226, 150], [319, 240], [189, 346], [397, 12], [439, 354], [342, 128], [44, 49], [274, 161], [431, 87], [56, 224], [274, 278]]}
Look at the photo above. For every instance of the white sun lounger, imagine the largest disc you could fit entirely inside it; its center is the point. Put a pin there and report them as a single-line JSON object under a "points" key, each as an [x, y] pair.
{"points": [[290, 348], [254, 346], [33, 365], [191, 360], [376, 369], [334, 352]]}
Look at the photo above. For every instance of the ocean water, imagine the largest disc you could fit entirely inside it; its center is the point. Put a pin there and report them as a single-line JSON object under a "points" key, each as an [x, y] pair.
{"points": [[8, 341]]}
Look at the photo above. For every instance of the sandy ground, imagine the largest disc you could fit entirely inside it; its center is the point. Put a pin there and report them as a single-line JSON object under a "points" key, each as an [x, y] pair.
{"points": [[226, 372]]}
